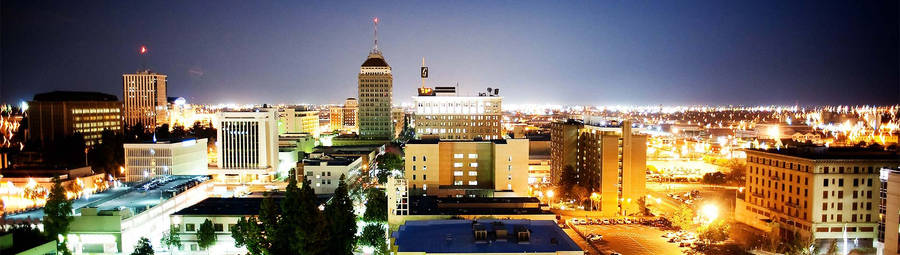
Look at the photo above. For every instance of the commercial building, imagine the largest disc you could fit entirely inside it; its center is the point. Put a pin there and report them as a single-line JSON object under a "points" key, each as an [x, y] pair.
{"points": [[145, 161], [441, 113], [344, 117], [539, 159], [325, 172], [247, 146], [145, 99], [482, 237], [473, 168], [223, 213], [610, 160], [889, 212], [376, 94], [293, 120], [825, 194], [58, 114]]}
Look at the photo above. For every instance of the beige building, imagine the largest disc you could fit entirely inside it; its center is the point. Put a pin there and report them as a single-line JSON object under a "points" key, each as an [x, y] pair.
{"points": [[889, 212], [441, 113], [609, 160], [376, 93], [344, 118], [145, 99], [467, 168], [826, 194], [145, 161], [59, 114], [298, 121]]}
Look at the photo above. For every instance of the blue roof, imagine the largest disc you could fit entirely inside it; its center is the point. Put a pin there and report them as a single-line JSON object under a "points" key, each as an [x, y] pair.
{"points": [[457, 236]]}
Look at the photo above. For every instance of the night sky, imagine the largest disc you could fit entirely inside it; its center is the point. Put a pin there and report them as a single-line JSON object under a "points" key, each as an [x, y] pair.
{"points": [[581, 52]]}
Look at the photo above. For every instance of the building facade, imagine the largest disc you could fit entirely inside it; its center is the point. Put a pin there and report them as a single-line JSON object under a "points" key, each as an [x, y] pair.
{"points": [[324, 173], [824, 194], [539, 237], [299, 121], [145, 161], [58, 114], [145, 99], [344, 117], [441, 113], [247, 146], [609, 160], [376, 93], [467, 168], [889, 212]]}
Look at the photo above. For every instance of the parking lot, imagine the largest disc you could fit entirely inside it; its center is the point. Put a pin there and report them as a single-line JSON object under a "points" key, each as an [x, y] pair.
{"points": [[631, 239]]}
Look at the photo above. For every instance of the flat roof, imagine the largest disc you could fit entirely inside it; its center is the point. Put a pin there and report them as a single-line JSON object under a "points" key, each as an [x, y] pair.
{"points": [[436, 141], [225, 206], [457, 236], [835, 153], [336, 161], [429, 205]]}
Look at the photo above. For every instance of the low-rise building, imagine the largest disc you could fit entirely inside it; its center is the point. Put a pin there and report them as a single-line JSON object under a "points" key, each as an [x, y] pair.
{"points": [[824, 194], [145, 161], [58, 114], [542, 237], [325, 172], [473, 168]]}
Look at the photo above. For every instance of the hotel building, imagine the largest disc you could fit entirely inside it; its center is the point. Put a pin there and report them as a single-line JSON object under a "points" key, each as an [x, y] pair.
{"points": [[826, 194], [441, 113], [610, 160], [145, 99], [375, 98], [58, 114], [247, 146], [467, 168], [889, 212], [145, 161]]}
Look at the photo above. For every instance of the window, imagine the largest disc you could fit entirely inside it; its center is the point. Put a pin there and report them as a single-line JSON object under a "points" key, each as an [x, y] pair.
{"points": [[414, 177], [509, 159], [424, 158], [414, 167], [414, 158], [458, 155], [473, 164], [826, 180], [218, 227], [473, 183], [189, 227], [457, 182], [841, 182], [424, 177], [457, 164], [457, 173], [473, 173], [855, 182], [473, 155], [824, 218], [870, 183], [825, 194]]}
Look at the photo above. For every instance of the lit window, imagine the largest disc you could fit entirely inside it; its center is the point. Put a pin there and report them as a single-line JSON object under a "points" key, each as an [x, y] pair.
{"points": [[457, 164], [473, 155], [473, 182], [473, 173], [473, 164], [458, 155], [457, 173], [458, 183]]}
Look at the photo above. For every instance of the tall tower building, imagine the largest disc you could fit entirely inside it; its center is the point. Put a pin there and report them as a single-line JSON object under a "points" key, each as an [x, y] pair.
{"points": [[145, 99], [376, 92]]}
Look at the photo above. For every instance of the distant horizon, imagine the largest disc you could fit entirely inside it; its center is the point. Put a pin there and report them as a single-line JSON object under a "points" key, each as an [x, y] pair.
{"points": [[566, 53]]}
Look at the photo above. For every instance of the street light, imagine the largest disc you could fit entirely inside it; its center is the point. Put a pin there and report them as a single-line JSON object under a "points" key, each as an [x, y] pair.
{"points": [[709, 212], [594, 196], [550, 194]]}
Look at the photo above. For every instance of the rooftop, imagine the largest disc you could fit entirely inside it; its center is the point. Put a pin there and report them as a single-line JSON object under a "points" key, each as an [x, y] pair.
{"points": [[375, 60], [225, 206], [822, 153], [456, 236], [436, 141], [429, 205], [331, 161], [62, 96]]}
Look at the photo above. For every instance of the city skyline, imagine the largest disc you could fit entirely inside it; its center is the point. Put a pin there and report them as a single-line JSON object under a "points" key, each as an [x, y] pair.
{"points": [[717, 53]]}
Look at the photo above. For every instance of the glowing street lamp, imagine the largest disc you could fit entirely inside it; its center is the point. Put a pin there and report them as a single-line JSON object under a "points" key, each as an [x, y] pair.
{"points": [[594, 196], [708, 213], [550, 195]]}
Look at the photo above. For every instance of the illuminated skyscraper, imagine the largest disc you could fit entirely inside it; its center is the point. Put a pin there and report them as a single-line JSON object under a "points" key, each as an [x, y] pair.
{"points": [[145, 98], [375, 96]]}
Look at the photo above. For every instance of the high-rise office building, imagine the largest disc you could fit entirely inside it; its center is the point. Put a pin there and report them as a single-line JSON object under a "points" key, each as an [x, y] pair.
{"points": [[145, 99], [441, 113], [376, 94], [610, 160], [247, 145], [344, 117], [889, 212], [58, 114], [467, 168], [826, 194]]}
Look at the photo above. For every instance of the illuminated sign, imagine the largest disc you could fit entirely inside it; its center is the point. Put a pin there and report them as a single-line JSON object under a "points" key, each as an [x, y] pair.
{"points": [[426, 91], [424, 72]]}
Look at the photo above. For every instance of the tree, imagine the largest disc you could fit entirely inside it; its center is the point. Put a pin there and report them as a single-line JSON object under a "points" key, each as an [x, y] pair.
{"points": [[171, 239], [642, 205], [386, 164], [57, 215], [178, 132], [143, 247], [162, 132], [302, 228], [376, 206], [341, 220], [715, 232], [206, 235], [373, 235], [683, 217], [109, 154], [247, 233], [568, 178]]}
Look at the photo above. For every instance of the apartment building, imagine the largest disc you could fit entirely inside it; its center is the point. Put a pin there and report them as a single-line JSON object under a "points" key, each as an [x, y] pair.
{"points": [[441, 113], [475, 168]]}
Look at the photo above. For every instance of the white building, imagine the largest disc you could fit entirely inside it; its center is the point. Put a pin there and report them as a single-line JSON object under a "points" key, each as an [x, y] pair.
{"points": [[325, 172], [144, 161], [247, 146]]}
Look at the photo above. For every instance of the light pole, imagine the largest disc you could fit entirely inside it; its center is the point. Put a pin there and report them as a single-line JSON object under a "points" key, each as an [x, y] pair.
{"points": [[594, 196]]}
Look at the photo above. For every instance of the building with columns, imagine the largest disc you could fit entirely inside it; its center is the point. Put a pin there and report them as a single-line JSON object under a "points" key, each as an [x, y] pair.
{"points": [[247, 146]]}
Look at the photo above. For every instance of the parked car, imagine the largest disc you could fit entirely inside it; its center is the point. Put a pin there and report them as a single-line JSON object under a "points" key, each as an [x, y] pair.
{"points": [[606, 221], [582, 222], [595, 237], [590, 221], [575, 221]]}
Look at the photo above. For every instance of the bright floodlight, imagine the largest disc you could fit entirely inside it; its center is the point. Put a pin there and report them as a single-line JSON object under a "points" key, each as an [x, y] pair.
{"points": [[709, 212], [550, 193]]}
